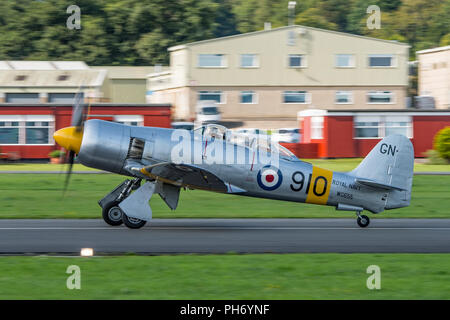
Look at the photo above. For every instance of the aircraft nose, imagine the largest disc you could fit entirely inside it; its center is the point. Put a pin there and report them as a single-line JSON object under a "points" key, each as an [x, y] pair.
{"points": [[69, 138]]}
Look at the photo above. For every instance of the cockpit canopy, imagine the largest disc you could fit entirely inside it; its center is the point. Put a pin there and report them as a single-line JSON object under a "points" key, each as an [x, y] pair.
{"points": [[262, 142]]}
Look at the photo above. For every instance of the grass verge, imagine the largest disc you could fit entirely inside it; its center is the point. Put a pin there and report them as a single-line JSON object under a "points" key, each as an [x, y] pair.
{"points": [[40, 196], [264, 276], [331, 164]]}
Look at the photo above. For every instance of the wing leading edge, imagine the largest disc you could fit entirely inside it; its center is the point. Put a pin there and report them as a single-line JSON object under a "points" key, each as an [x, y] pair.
{"points": [[180, 175]]}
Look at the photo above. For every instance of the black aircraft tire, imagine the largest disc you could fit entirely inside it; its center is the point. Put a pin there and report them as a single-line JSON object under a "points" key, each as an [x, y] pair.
{"points": [[363, 221], [133, 223], [112, 214]]}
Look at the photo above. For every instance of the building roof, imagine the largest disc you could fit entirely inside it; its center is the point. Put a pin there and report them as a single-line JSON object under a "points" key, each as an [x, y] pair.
{"points": [[43, 65], [49, 74], [433, 50], [352, 112], [95, 104], [183, 46], [130, 72], [52, 78]]}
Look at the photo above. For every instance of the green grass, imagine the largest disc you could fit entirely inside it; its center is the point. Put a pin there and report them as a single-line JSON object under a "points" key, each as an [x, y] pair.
{"points": [[331, 164], [42, 167], [265, 276], [352, 163], [40, 196]]}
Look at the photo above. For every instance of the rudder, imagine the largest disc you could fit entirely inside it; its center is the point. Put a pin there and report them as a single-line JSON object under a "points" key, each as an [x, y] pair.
{"points": [[390, 162]]}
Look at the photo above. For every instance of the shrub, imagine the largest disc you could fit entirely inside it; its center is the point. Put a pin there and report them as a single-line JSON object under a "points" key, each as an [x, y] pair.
{"points": [[56, 154], [442, 143], [434, 157]]}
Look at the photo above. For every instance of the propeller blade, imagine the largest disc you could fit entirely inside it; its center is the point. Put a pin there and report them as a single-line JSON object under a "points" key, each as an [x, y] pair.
{"points": [[78, 111], [69, 171], [78, 118]]}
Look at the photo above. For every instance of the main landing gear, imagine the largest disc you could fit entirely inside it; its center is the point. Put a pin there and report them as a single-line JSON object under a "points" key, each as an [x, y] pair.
{"points": [[362, 220], [111, 212]]}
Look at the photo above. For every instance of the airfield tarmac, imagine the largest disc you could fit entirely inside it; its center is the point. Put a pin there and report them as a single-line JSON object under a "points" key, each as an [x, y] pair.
{"points": [[160, 236]]}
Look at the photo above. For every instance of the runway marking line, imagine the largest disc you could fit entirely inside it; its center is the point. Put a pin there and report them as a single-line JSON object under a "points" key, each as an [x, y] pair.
{"points": [[226, 228]]}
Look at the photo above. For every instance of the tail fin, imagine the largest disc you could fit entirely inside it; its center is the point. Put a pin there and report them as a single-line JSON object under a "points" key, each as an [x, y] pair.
{"points": [[389, 166]]}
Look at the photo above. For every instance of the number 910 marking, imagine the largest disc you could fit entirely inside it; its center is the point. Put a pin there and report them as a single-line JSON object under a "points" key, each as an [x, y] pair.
{"points": [[320, 186]]}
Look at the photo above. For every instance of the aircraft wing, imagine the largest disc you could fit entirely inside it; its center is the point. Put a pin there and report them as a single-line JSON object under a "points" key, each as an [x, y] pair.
{"points": [[181, 175]]}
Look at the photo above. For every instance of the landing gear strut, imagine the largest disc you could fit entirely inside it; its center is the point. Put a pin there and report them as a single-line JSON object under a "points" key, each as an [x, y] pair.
{"points": [[362, 220], [111, 212]]}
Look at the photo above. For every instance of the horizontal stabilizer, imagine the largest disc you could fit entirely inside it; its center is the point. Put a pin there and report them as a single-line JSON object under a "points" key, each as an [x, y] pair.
{"points": [[377, 184]]}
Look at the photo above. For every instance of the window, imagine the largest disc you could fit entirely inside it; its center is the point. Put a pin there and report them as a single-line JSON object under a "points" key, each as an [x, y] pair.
{"points": [[22, 97], [291, 38], [316, 127], [343, 97], [367, 127], [381, 60], [248, 97], [297, 61], [216, 96], [61, 97], [37, 132], [249, 61], [345, 61], [32, 129], [62, 77], [398, 125], [380, 97], [131, 120], [209, 111], [382, 126], [211, 60], [9, 132], [296, 97]]}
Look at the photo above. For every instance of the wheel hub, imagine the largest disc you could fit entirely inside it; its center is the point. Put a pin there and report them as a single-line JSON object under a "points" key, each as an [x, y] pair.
{"points": [[134, 220], [115, 214]]}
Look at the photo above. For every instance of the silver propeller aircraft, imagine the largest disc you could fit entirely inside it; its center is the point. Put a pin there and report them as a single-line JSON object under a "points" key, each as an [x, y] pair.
{"points": [[215, 159]]}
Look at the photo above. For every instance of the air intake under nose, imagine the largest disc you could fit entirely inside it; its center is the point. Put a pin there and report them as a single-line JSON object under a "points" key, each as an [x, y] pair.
{"points": [[136, 148]]}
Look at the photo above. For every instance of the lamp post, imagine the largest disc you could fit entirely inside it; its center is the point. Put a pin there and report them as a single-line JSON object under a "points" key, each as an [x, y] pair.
{"points": [[291, 8]]}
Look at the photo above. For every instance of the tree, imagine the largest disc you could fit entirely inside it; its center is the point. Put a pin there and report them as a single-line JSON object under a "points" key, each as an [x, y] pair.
{"points": [[335, 12], [138, 32], [313, 18], [152, 47], [226, 24], [417, 21], [445, 40], [388, 5]]}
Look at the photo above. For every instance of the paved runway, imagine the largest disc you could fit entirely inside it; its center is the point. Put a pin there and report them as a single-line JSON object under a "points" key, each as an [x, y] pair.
{"points": [[225, 235]]}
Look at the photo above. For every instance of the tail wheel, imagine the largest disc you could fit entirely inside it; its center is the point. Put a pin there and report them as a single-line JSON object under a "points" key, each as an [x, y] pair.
{"points": [[133, 223], [363, 221], [112, 214]]}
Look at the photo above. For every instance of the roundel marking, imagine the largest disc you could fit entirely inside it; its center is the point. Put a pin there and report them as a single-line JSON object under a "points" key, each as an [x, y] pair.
{"points": [[269, 178]]}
